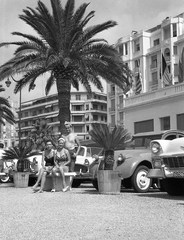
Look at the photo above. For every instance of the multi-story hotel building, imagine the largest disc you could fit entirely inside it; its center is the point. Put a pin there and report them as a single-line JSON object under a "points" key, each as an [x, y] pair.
{"points": [[85, 110], [156, 106]]}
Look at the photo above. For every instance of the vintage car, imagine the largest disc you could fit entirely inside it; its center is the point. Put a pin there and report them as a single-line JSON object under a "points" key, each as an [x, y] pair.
{"points": [[137, 163], [168, 164]]}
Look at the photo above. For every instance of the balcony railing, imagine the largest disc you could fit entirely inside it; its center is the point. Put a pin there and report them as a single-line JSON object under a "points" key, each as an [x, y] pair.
{"points": [[155, 95]]}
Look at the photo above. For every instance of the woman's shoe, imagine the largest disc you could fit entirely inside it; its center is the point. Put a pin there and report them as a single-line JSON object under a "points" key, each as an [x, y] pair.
{"points": [[53, 190], [65, 189]]}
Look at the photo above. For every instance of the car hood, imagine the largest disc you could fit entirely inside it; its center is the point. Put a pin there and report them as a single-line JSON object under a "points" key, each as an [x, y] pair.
{"points": [[129, 153]]}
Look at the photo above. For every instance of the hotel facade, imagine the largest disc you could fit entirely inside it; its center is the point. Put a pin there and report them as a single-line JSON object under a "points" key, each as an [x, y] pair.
{"points": [[156, 106]]}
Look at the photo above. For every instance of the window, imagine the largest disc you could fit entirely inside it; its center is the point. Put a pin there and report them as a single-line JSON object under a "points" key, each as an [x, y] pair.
{"points": [[156, 42], [121, 49], [180, 121], [175, 50], [112, 120], [144, 126], [176, 69], [87, 128], [77, 129], [137, 63], [126, 48], [167, 54], [121, 99], [87, 106], [77, 118], [95, 117], [154, 78], [137, 47], [78, 97], [113, 105], [154, 61], [174, 30], [78, 108], [121, 116], [165, 123], [102, 118], [112, 90]]}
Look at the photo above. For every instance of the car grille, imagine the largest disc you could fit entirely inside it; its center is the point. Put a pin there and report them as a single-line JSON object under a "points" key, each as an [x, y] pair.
{"points": [[174, 162]]}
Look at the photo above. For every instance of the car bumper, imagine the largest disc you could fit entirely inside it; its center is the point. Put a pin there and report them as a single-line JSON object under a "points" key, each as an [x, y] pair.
{"points": [[164, 172]]}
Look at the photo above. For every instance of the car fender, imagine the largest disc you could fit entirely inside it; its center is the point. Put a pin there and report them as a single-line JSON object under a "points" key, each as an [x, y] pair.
{"points": [[130, 164]]}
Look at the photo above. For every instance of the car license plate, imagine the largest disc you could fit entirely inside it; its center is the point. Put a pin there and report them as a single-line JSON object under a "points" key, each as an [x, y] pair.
{"points": [[178, 174]]}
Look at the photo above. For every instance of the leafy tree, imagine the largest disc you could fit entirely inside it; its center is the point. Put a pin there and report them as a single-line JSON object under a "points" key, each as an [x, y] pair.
{"points": [[66, 49], [5, 110]]}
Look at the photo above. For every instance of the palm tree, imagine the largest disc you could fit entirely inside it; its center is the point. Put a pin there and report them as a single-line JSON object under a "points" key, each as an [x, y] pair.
{"points": [[66, 49], [109, 140], [5, 110]]}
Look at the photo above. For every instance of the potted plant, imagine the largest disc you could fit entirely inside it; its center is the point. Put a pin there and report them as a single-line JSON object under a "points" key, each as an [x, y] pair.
{"points": [[22, 170], [109, 180]]}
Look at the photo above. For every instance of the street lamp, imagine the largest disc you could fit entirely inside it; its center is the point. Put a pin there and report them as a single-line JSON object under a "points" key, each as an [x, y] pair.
{"points": [[8, 83]]}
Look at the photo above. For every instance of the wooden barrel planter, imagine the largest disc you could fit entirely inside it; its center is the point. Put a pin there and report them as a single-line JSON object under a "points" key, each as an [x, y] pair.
{"points": [[21, 179], [109, 181]]}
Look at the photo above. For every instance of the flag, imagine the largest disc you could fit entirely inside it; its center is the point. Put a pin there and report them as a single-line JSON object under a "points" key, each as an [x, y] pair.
{"points": [[167, 79], [138, 84], [181, 68]]}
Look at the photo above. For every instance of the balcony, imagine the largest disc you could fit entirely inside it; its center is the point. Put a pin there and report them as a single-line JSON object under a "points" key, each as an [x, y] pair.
{"points": [[161, 94], [154, 49]]}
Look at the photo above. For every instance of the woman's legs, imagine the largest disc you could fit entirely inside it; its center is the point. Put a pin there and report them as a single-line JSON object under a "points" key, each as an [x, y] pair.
{"points": [[38, 179], [54, 179], [62, 176], [42, 181]]}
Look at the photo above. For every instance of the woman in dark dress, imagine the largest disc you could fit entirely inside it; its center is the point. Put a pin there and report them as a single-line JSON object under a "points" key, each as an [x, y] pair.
{"points": [[62, 160], [47, 165]]}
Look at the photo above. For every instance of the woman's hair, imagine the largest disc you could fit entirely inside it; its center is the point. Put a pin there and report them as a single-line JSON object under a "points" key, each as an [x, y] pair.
{"points": [[61, 139], [49, 141]]}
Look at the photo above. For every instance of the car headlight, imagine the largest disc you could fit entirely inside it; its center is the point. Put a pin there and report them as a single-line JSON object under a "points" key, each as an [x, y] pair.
{"points": [[157, 163], [155, 148]]}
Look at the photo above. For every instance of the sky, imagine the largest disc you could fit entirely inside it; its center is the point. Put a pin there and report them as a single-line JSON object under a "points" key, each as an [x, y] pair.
{"points": [[130, 15]]}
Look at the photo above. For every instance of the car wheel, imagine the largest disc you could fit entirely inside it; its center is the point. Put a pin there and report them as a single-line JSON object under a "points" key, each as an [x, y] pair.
{"points": [[139, 180], [95, 183], [174, 187], [5, 179], [76, 183]]}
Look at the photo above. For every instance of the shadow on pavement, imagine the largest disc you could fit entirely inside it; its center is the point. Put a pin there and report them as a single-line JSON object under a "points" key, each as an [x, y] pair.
{"points": [[161, 195]]}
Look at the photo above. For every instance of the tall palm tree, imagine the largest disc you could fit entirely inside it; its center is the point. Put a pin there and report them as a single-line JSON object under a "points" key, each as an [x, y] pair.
{"points": [[5, 110], [65, 48]]}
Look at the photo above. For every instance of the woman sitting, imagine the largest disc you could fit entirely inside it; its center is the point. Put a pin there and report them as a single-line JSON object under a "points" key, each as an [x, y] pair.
{"points": [[47, 165], [62, 160]]}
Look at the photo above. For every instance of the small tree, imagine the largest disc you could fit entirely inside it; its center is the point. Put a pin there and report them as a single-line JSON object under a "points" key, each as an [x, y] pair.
{"points": [[40, 134]]}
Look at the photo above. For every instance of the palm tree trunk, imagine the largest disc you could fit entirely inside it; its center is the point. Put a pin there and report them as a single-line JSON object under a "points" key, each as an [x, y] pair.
{"points": [[109, 160], [63, 88]]}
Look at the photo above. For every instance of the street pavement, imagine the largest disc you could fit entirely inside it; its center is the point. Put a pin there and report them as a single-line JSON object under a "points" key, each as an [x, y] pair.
{"points": [[84, 214]]}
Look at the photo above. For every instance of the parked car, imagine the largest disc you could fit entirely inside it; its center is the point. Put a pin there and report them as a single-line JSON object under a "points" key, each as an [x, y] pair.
{"points": [[82, 164], [137, 160], [168, 164]]}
